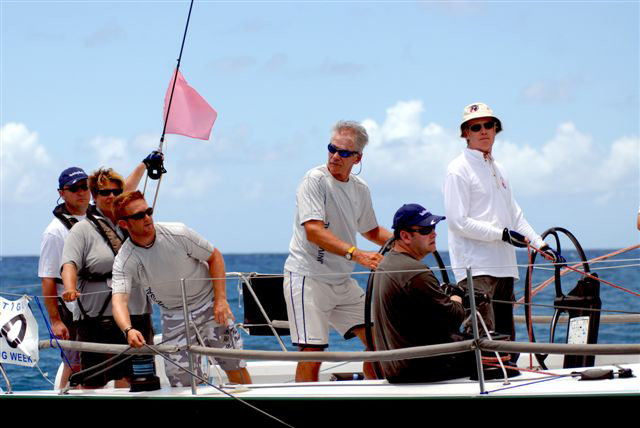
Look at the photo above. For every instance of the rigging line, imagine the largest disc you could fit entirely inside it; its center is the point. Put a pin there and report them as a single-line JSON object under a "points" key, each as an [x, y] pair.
{"points": [[529, 383], [565, 271], [99, 372], [152, 348], [52, 336], [522, 369], [568, 307], [573, 268], [175, 77]]}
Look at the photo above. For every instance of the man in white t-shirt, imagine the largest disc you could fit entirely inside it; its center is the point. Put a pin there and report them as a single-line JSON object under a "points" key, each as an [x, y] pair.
{"points": [[74, 191], [485, 222], [155, 259], [332, 206]]}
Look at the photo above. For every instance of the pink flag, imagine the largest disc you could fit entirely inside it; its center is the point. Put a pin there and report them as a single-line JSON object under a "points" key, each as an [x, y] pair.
{"points": [[190, 114]]}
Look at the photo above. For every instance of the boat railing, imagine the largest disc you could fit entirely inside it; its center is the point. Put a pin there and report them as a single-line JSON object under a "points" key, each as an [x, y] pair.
{"points": [[477, 344]]}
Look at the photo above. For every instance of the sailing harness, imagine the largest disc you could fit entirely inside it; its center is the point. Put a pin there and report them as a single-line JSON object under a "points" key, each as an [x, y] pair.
{"points": [[68, 220], [114, 241]]}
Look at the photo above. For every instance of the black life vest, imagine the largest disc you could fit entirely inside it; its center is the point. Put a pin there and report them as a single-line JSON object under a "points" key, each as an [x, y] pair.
{"points": [[65, 217]]}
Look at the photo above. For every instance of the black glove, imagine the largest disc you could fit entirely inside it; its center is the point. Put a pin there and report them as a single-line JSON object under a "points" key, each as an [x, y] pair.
{"points": [[154, 164], [552, 255], [514, 238], [452, 290]]}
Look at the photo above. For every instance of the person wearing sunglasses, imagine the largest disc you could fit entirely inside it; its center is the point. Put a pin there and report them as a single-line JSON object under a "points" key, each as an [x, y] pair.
{"points": [[410, 308], [74, 192], [154, 260], [485, 222], [332, 207], [87, 262]]}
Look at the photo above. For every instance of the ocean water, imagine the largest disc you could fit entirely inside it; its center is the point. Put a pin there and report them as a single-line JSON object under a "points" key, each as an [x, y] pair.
{"points": [[18, 275]]}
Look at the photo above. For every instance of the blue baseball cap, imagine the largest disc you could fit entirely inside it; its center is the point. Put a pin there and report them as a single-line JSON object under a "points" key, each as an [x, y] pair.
{"points": [[414, 215], [71, 176]]}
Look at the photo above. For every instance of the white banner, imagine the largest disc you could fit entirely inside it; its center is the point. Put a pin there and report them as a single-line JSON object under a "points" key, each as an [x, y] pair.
{"points": [[18, 333]]}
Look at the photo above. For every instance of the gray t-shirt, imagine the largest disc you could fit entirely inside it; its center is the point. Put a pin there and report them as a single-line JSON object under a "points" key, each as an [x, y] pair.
{"points": [[177, 252], [87, 249], [344, 207]]}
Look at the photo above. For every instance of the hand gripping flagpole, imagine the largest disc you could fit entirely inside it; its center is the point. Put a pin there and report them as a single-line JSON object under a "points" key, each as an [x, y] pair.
{"points": [[156, 170]]}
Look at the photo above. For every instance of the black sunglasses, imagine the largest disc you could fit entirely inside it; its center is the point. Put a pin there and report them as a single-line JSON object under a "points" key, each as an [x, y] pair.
{"points": [[424, 230], [107, 192], [478, 126], [76, 187], [139, 215], [342, 153]]}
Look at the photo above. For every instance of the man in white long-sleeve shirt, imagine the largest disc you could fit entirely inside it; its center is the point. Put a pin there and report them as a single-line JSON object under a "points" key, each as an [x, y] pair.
{"points": [[485, 222]]}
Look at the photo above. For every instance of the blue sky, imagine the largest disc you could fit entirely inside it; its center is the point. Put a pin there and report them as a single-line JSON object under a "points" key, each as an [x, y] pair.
{"points": [[82, 83]]}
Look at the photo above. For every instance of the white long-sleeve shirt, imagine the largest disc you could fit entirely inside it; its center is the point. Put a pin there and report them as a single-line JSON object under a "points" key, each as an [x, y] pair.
{"points": [[479, 205]]}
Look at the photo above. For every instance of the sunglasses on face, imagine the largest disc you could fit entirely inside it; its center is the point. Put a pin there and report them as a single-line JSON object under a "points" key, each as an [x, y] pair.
{"points": [[139, 215], [426, 230], [342, 153], [76, 187], [478, 126], [107, 192]]}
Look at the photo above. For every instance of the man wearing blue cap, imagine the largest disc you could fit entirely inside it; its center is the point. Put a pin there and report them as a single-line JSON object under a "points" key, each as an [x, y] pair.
{"points": [[410, 306], [74, 191]]}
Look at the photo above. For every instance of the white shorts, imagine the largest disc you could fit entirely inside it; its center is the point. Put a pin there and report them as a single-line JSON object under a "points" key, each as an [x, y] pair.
{"points": [[313, 306]]}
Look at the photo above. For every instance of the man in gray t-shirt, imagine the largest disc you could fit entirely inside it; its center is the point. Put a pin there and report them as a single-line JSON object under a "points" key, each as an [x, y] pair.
{"points": [[332, 207], [156, 258]]}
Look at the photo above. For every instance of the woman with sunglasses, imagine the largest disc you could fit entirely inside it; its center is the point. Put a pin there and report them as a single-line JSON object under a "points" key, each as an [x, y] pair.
{"points": [[87, 262]]}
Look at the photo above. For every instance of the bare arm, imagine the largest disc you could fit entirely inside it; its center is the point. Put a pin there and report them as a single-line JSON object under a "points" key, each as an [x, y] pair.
{"points": [[132, 181], [50, 293], [70, 281], [379, 235], [221, 308], [325, 239], [120, 308]]}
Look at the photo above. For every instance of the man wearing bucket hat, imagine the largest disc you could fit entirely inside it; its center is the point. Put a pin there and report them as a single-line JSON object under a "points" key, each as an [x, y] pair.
{"points": [[485, 222], [410, 306]]}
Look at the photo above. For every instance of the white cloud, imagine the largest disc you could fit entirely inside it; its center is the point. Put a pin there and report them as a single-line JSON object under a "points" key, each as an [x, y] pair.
{"points": [[24, 164], [109, 33], [550, 91], [405, 152], [110, 152]]}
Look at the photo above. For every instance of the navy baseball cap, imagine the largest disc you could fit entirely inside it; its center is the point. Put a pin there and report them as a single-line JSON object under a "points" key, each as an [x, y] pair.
{"points": [[71, 176], [414, 215]]}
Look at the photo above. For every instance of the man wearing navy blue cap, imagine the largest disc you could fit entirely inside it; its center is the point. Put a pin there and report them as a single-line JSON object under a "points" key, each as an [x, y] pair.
{"points": [[74, 191], [410, 306]]}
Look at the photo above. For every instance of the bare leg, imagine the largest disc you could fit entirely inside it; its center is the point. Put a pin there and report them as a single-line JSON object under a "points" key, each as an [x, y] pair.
{"points": [[239, 376], [308, 371], [367, 366]]}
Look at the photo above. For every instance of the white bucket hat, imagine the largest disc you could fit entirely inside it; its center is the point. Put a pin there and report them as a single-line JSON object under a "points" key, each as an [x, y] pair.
{"points": [[476, 110]]}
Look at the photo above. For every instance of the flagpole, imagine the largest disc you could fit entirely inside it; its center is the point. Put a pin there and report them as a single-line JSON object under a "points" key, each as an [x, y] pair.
{"points": [[166, 118], [175, 78]]}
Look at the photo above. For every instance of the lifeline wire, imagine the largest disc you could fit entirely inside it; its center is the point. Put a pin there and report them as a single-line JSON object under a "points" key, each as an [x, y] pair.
{"points": [[52, 336], [152, 348]]}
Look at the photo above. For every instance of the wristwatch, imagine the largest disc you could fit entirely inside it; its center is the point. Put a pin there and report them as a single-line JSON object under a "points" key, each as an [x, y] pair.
{"points": [[126, 332], [349, 254]]}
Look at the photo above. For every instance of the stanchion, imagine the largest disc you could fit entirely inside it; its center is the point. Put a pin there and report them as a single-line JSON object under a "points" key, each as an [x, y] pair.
{"points": [[188, 333], [474, 326]]}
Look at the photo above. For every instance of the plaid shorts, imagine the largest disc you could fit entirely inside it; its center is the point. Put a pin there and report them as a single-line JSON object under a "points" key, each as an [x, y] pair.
{"points": [[213, 335]]}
